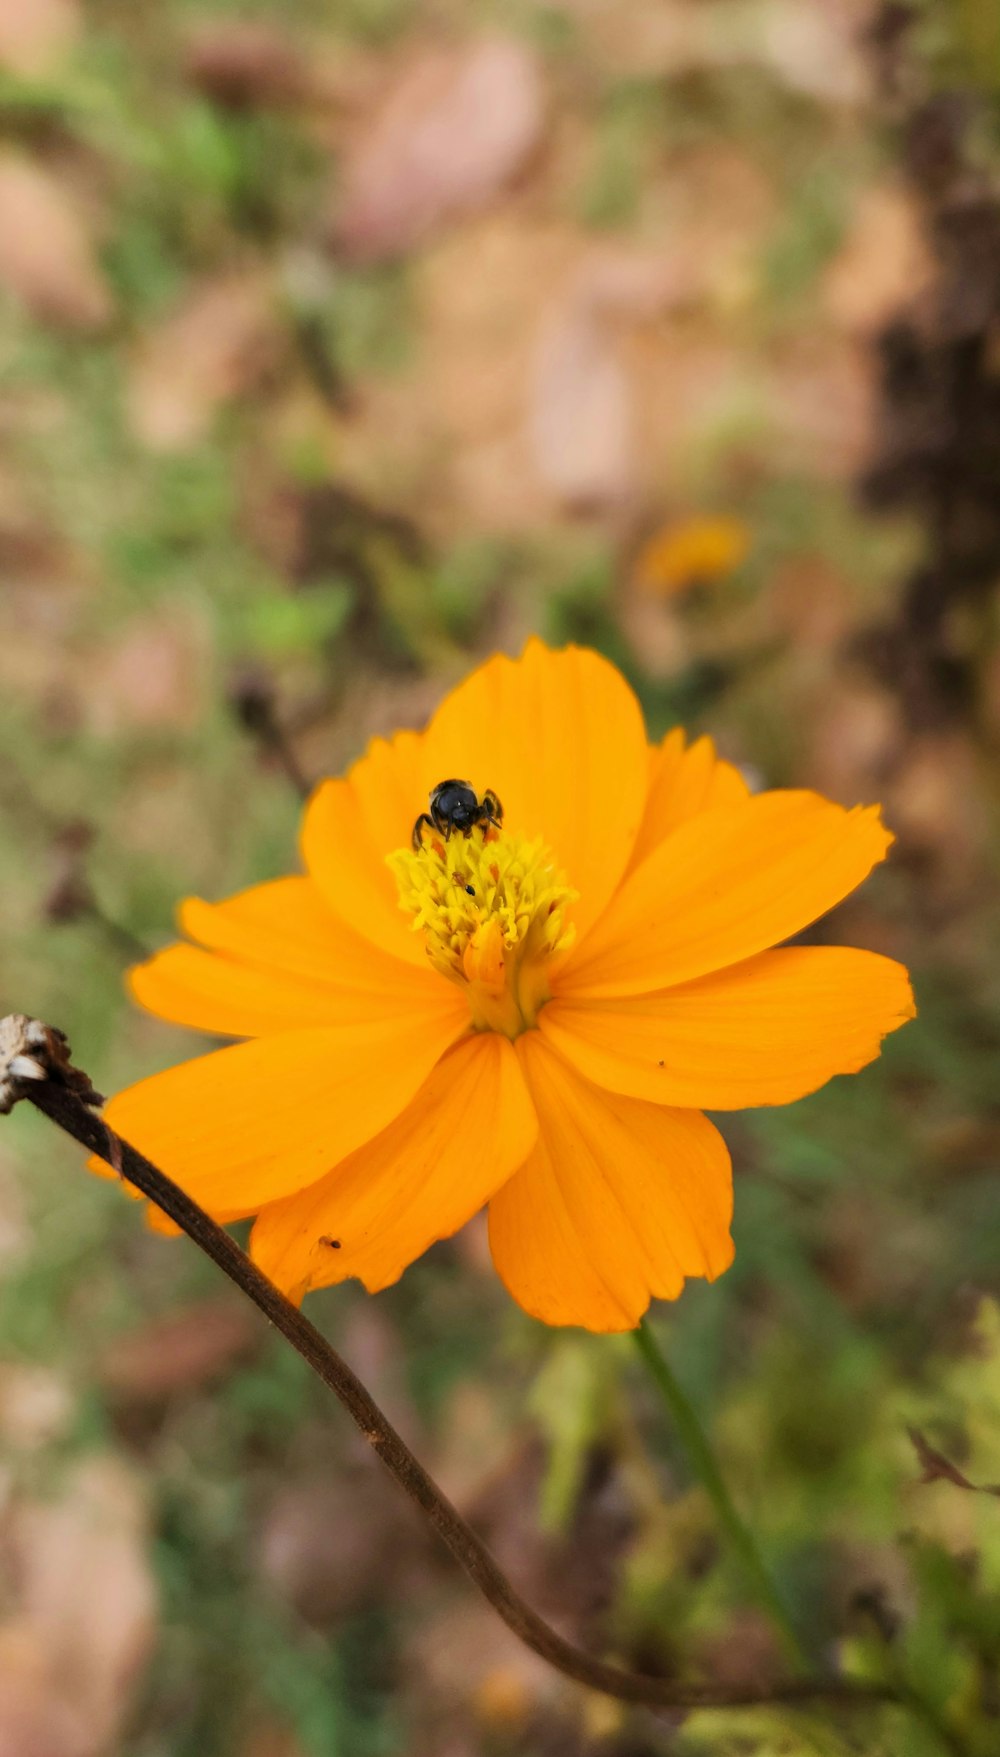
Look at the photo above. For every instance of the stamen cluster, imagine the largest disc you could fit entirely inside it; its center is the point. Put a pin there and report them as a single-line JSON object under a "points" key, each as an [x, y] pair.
{"points": [[492, 908]]}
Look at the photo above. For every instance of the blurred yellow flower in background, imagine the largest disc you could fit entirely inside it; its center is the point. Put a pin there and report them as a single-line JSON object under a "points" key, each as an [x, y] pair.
{"points": [[531, 1017], [690, 552]]}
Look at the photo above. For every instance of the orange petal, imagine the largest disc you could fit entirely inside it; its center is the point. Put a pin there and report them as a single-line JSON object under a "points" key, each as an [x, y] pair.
{"points": [[559, 736], [764, 1032], [252, 1123], [468, 1128], [683, 783], [350, 826], [619, 1201], [209, 993], [287, 925], [724, 886], [276, 958], [161, 1223]]}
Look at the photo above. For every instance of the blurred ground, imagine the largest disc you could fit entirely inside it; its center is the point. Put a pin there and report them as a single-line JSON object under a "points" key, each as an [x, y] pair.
{"points": [[341, 343]]}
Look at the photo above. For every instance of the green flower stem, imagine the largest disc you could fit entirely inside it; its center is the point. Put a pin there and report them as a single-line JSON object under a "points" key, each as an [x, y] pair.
{"points": [[706, 1469]]}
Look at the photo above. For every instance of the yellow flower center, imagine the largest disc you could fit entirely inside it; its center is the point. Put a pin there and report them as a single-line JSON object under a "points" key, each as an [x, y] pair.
{"points": [[492, 909]]}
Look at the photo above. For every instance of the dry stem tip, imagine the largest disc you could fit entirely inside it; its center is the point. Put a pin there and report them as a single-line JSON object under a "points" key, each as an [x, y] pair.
{"points": [[31, 1050]]}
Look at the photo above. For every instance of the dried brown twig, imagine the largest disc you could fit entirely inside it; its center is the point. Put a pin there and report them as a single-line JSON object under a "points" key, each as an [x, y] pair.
{"points": [[34, 1064]]}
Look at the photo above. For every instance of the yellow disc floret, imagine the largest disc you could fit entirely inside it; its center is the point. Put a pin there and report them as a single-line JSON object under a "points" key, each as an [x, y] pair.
{"points": [[492, 908]]}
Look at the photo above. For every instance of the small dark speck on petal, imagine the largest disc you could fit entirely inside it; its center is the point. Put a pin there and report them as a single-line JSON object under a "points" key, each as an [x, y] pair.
{"points": [[332, 1244]]}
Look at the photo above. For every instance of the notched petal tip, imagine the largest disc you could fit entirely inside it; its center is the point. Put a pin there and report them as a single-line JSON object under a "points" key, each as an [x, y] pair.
{"points": [[725, 886], [620, 1202], [767, 1031], [464, 1133]]}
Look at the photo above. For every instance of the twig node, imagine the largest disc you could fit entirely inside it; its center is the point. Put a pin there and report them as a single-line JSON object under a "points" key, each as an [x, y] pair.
{"points": [[31, 1050]]}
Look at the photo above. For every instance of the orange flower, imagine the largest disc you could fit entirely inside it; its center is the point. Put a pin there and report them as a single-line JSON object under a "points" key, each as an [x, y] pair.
{"points": [[532, 1016], [691, 552]]}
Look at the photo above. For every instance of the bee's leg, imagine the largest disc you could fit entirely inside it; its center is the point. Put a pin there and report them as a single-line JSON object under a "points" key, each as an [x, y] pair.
{"points": [[423, 822]]}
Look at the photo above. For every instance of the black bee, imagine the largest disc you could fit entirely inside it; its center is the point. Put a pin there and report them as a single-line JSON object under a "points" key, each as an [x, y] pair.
{"points": [[455, 806]]}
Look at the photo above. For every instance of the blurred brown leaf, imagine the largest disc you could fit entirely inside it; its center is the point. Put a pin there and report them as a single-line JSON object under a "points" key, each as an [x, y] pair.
{"points": [[935, 1467], [35, 33], [466, 425], [33, 1722], [883, 264], [83, 1618], [245, 62], [180, 1352], [582, 413], [454, 424], [812, 49], [330, 1546], [816, 50], [455, 128], [47, 254], [215, 345]]}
